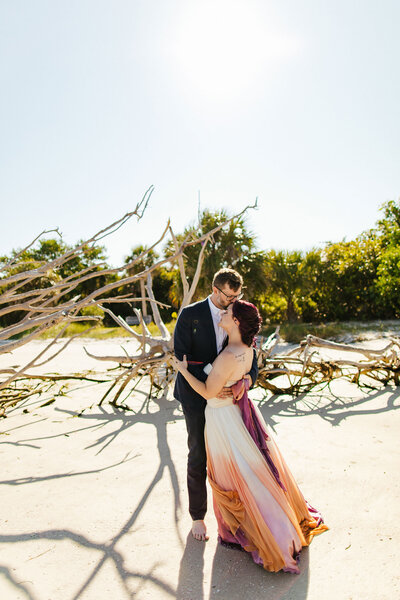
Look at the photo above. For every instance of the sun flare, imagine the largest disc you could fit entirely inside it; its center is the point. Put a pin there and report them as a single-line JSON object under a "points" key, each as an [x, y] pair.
{"points": [[225, 48]]}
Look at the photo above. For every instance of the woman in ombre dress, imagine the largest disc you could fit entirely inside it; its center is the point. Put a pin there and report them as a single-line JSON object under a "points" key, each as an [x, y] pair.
{"points": [[257, 503]]}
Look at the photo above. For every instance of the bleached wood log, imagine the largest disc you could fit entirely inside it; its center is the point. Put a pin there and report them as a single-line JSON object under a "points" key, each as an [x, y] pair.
{"points": [[312, 340], [181, 265], [156, 313]]}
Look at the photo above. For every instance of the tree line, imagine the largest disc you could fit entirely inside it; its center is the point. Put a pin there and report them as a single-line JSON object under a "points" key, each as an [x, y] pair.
{"points": [[346, 280]]}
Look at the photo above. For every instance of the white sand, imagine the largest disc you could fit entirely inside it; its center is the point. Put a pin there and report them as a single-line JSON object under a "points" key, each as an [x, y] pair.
{"points": [[94, 507]]}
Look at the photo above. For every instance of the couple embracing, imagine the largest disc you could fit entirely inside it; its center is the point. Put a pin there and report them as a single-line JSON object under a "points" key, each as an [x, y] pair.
{"points": [[257, 503]]}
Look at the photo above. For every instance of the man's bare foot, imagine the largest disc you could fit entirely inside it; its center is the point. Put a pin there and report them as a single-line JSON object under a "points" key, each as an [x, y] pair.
{"points": [[199, 531]]}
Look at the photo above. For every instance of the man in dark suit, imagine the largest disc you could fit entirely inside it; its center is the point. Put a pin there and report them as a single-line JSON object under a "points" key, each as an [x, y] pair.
{"points": [[198, 336]]}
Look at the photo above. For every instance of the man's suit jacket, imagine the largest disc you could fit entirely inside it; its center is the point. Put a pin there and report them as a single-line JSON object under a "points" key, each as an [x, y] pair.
{"points": [[194, 336]]}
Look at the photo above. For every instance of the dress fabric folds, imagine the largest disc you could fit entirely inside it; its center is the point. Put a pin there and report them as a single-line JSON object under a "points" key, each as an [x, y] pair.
{"points": [[257, 502]]}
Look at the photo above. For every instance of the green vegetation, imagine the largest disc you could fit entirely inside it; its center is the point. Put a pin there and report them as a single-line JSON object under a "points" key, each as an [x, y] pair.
{"points": [[343, 281], [314, 291], [233, 246]]}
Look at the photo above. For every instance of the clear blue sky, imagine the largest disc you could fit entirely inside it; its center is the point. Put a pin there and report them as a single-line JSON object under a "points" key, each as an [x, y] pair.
{"points": [[294, 102]]}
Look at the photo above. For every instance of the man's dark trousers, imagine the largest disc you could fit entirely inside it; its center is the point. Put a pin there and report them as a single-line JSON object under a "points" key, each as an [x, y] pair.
{"points": [[197, 463], [195, 336]]}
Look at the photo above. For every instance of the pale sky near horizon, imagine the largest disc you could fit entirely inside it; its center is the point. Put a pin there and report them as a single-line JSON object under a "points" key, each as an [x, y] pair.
{"points": [[296, 102]]}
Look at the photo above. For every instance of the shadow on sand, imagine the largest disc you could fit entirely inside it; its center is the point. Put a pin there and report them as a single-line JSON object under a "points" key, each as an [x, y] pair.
{"points": [[108, 549], [328, 405], [235, 576]]}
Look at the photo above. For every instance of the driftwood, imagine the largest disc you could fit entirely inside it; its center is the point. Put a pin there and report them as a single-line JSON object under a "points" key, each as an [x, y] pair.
{"points": [[154, 356], [297, 371], [306, 367], [42, 308]]}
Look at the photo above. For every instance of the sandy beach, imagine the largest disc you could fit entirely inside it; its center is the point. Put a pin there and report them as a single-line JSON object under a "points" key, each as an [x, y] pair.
{"points": [[93, 498]]}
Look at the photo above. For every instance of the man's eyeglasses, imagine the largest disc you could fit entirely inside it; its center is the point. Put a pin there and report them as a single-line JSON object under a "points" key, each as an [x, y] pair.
{"points": [[231, 296]]}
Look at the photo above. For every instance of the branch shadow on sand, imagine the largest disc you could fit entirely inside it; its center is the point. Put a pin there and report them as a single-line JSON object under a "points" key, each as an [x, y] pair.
{"points": [[108, 549], [233, 572], [328, 405], [19, 586]]}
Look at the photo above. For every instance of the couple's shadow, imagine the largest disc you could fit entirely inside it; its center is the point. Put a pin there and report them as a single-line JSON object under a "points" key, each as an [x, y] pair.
{"points": [[234, 576]]}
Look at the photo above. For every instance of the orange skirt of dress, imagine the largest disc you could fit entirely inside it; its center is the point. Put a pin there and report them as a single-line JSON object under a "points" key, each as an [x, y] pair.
{"points": [[251, 508]]}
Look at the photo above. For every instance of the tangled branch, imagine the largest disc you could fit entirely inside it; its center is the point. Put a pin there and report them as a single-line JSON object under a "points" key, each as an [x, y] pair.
{"points": [[44, 307], [306, 366]]}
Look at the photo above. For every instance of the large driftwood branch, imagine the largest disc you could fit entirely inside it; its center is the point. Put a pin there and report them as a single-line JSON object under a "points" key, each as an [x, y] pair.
{"points": [[71, 282], [188, 290], [157, 351], [304, 367], [166, 336], [189, 294], [70, 305], [181, 264], [41, 271], [44, 307], [317, 342]]}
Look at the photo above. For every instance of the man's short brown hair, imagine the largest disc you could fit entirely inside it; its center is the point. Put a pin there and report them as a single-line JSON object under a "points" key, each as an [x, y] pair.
{"points": [[229, 276]]}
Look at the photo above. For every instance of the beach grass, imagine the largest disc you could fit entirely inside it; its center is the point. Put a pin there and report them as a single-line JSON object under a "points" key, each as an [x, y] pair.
{"points": [[99, 332]]}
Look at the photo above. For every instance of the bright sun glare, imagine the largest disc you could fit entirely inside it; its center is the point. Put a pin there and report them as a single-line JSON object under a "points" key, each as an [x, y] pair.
{"points": [[226, 48]]}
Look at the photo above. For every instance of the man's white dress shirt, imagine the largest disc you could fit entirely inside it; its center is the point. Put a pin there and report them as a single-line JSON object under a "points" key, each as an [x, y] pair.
{"points": [[220, 334]]}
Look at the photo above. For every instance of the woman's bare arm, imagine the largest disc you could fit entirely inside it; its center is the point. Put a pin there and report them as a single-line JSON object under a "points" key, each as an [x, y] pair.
{"points": [[222, 370]]}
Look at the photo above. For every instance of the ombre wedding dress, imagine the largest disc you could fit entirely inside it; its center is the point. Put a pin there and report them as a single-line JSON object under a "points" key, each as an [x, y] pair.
{"points": [[257, 502]]}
